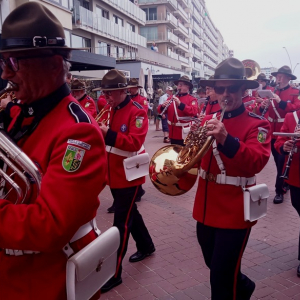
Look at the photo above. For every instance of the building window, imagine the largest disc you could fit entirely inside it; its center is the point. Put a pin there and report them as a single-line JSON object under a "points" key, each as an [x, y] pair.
{"points": [[120, 52], [118, 20], [150, 33], [63, 3], [79, 41], [68, 37], [151, 13], [104, 48], [130, 27]]}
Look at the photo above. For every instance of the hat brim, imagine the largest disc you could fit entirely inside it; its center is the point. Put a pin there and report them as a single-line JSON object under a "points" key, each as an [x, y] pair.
{"points": [[293, 77], [134, 86], [39, 48], [186, 82], [78, 89], [111, 89], [249, 84]]}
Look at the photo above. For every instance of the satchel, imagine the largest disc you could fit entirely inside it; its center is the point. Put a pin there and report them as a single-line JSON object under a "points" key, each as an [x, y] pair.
{"points": [[90, 268], [255, 202], [136, 166], [186, 130]]}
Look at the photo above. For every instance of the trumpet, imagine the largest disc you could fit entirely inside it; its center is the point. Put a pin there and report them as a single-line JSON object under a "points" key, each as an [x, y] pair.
{"points": [[101, 113], [166, 107]]}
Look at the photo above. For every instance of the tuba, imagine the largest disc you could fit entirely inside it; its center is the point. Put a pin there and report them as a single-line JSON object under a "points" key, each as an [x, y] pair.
{"points": [[173, 169], [19, 163], [252, 68]]}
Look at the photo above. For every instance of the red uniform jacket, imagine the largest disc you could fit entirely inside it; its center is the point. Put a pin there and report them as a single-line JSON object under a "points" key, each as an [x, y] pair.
{"points": [[211, 108], [221, 205], [67, 200], [289, 102], [89, 105], [141, 100], [128, 128], [187, 107], [289, 126], [101, 102], [247, 99]]}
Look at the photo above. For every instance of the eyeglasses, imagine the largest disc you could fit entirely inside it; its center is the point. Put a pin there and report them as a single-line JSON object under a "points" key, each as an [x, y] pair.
{"points": [[106, 93], [13, 62], [230, 89]]}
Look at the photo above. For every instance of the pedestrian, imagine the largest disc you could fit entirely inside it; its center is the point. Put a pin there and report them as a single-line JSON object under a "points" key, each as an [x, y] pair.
{"points": [[229, 166], [157, 96], [62, 140], [124, 137]]}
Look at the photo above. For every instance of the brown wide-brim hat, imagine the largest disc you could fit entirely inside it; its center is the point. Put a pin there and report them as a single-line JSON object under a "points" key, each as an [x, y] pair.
{"points": [[113, 80], [262, 77], [184, 79], [231, 69], [133, 83], [32, 26], [77, 85], [286, 70]]}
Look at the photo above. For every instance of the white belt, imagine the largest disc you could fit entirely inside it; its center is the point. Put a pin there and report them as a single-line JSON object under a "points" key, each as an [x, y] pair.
{"points": [[120, 152], [177, 124], [81, 232], [220, 179], [280, 120]]}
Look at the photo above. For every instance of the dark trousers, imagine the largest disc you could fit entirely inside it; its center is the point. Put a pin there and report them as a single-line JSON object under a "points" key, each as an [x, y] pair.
{"points": [[128, 220], [295, 198], [177, 142], [279, 161], [164, 123], [222, 251]]}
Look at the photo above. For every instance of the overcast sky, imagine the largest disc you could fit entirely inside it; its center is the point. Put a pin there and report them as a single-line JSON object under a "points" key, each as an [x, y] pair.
{"points": [[259, 29]]}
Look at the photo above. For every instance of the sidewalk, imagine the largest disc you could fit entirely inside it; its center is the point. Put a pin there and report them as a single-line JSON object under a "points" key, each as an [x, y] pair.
{"points": [[177, 269]]}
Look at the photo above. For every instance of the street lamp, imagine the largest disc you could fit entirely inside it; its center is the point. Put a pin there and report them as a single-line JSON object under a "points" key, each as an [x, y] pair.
{"points": [[288, 56], [295, 67]]}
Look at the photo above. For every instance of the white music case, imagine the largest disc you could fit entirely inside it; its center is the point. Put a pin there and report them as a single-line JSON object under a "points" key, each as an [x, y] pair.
{"points": [[90, 268], [136, 166], [255, 202]]}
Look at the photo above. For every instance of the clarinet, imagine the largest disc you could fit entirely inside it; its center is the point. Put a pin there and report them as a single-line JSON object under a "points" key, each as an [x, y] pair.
{"points": [[285, 174], [267, 106], [205, 105], [166, 107]]}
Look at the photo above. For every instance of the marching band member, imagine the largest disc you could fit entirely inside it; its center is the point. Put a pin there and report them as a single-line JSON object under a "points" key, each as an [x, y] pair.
{"points": [[78, 92], [124, 137], [264, 81], [285, 100], [133, 89], [37, 237], [241, 149], [183, 105], [284, 145], [101, 102]]}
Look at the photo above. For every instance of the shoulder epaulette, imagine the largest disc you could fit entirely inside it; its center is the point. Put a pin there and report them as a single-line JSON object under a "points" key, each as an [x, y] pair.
{"points": [[137, 105], [253, 115], [78, 113]]}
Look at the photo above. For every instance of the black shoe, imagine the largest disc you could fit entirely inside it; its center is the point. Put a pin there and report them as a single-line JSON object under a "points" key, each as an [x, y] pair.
{"points": [[111, 209], [285, 188], [138, 256], [278, 199], [139, 196], [298, 271], [111, 283]]}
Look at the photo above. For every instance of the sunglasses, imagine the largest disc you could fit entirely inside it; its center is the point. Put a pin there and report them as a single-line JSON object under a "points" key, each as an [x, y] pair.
{"points": [[230, 89], [106, 93]]}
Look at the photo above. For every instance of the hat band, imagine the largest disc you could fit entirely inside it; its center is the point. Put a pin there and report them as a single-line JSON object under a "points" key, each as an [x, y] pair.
{"points": [[36, 42], [114, 86], [228, 76]]}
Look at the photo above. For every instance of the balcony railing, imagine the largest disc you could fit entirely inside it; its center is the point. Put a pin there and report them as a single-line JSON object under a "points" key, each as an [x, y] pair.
{"points": [[88, 20], [184, 29], [183, 59], [198, 53], [197, 66], [196, 40], [183, 44], [183, 12], [153, 18], [196, 15], [173, 2], [173, 55], [128, 8], [196, 27], [161, 36]]}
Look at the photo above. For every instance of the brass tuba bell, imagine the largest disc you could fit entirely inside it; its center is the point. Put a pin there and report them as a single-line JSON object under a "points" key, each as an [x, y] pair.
{"points": [[252, 68]]}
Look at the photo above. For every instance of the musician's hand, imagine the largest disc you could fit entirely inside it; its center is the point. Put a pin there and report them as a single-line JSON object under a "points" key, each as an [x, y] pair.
{"points": [[5, 101], [200, 116], [259, 100], [177, 101], [276, 98], [166, 103], [194, 127], [287, 146], [103, 128], [217, 129], [265, 103]]}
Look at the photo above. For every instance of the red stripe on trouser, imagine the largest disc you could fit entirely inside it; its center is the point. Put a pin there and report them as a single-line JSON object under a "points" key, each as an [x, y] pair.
{"points": [[119, 262], [239, 264]]}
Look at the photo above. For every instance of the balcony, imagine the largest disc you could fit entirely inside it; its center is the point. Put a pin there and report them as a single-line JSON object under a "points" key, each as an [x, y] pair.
{"points": [[198, 66], [196, 15], [128, 8], [185, 3], [197, 28], [183, 59], [182, 45], [196, 41], [170, 3], [173, 55], [180, 12], [163, 37], [89, 21], [181, 29], [164, 19], [197, 54]]}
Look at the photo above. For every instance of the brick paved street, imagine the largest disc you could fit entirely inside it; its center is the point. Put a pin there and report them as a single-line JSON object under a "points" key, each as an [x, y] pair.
{"points": [[177, 269]]}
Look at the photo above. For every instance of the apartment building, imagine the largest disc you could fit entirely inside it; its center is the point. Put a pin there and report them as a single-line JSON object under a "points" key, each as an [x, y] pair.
{"points": [[184, 31], [268, 70]]}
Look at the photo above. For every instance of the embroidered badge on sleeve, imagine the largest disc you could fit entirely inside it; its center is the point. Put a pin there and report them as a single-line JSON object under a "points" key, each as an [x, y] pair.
{"points": [[72, 158], [139, 122], [262, 134], [87, 104]]}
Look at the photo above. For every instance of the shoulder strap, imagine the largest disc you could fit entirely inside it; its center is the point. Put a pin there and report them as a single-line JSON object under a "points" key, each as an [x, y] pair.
{"points": [[296, 117]]}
